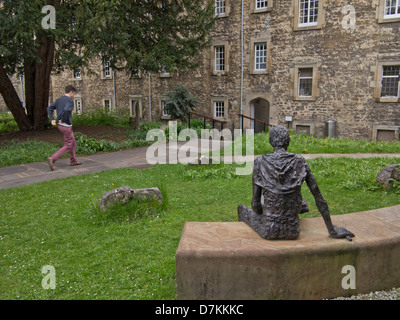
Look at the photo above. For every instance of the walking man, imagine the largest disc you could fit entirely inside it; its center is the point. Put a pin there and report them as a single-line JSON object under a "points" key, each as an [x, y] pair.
{"points": [[64, 107]]}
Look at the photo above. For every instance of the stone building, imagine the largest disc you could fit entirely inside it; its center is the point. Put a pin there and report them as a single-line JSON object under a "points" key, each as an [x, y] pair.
{"points": [[299, 63]]}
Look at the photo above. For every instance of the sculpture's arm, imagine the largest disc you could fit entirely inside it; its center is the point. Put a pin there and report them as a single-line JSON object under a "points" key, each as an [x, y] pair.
{"points": [[322, 205], [256, 202]]}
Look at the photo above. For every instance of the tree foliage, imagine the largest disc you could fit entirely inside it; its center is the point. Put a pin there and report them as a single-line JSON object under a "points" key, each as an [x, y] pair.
{"points": [[180, 102], [147, 35]]}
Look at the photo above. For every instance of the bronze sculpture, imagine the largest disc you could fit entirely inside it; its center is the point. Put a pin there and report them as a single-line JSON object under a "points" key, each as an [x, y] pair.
{"points": [[277, 200]]}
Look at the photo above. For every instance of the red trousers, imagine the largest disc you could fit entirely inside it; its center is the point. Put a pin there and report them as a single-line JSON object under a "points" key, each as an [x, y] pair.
{"points": [[69, 144]]}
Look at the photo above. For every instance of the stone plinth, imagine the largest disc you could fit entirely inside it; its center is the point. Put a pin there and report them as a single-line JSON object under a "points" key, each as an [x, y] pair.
{"points": [[228, 260]]}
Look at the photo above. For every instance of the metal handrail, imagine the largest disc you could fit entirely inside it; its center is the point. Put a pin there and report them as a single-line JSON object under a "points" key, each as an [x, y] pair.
{"points": [[204, 119], [253, 119]]}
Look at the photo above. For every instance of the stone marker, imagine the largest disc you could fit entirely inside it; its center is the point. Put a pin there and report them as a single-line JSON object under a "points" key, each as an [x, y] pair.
{"points": [[386, 174], [126, 194]]}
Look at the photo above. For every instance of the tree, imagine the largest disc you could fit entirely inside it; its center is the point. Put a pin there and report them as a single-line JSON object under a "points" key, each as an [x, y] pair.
{"points": [[180, 102], [146, 35]]}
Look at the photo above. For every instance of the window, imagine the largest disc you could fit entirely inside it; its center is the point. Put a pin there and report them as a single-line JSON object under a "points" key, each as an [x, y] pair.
{"points": [[78, 106], [260, 52], [134, 104], [390, 81], [392, 9], [308, 12], [165, 73], [219, 58], [107, 69], [305, 82], [261, 4], [77, 73], [388, 11], [220, 8], [163, 110], [107, 105], [219, 109]]}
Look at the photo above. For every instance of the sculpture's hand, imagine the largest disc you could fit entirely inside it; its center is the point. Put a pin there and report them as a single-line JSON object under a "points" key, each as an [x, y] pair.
{"points": [[340, 232]]}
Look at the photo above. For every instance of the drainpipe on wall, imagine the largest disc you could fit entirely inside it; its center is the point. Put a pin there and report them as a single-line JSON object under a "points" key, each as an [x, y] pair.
{"points": [[115, 97], [150, 97], [241, 71]]}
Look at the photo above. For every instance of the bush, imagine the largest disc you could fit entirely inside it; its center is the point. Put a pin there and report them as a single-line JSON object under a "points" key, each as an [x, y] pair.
{"points": [[91, 145], [101, 117]]}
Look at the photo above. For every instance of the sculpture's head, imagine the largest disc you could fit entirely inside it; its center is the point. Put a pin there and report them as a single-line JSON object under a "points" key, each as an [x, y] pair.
{"points": [[279, 137]]}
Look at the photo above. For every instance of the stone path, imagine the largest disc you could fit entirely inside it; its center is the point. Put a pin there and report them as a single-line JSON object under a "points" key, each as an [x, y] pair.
{"points": [[138, 158]]}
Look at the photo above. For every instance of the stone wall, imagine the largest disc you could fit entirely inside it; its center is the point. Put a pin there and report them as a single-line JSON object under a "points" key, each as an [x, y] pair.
{"points": [[346, 51]]}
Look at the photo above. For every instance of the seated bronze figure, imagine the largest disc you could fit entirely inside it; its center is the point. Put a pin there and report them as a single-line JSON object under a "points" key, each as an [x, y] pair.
{"points": [[277, 200]]}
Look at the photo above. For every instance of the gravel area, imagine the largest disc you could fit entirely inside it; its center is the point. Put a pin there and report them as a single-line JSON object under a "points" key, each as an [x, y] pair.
{"points": [[393, 294]]}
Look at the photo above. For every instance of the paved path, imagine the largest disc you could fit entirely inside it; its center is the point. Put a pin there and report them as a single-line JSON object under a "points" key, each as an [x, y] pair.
{"points": [[26, 174]]}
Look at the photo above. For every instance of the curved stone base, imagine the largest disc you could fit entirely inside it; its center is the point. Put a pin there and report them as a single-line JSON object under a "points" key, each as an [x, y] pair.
{"points": [[229, 260]]}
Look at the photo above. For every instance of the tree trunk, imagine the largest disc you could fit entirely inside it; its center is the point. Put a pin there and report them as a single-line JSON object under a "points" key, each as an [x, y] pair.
{"points": [[42, 82], [13, 101]]}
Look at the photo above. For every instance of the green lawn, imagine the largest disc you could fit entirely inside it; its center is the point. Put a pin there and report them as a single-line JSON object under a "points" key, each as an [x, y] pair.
{"points": [[303, 144], [98, 257]]}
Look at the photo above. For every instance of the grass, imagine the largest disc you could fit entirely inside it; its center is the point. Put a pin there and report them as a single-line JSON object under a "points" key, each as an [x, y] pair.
{"points": [[124, 256], [304, 144]]}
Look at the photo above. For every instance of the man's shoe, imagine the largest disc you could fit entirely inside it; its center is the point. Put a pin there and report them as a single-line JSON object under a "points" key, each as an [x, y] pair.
{"points": [[51, 163], [77, 163]]}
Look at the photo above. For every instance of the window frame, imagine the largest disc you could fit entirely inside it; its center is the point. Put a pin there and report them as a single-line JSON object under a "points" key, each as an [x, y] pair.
{"points": [[262, 57], [216, 116], [76, 101], [215, 45], [378, 69], [390, 76], [383, 17], [78, 70], [107, 69], [315, 91], [254, 9], [226, 4], [297, 26], [304, 78], [105, 104]]}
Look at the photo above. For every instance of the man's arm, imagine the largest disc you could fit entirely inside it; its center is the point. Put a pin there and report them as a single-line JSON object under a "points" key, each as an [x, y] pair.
{"points": [[50, 111]]}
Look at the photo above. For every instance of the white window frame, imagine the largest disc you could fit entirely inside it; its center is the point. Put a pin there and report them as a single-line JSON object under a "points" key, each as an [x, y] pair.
{"points": [[396, 6], [261, 5], [219, 55], [220, 7], [308, 13], [109, 103], [390, 77], [107, 69], [78, 105], [260, 56], [300, 78], [77, 73], [219, 109], [164, 113]]}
